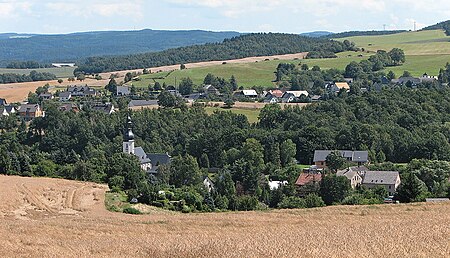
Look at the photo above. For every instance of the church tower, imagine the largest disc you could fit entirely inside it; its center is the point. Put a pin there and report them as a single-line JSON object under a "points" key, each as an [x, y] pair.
{"points": [[128, 138]]}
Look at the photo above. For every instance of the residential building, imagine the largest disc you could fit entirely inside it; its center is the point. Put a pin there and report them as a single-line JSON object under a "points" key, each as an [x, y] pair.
{"points": [[276, 93], [208, 183], [271, 99], [251, 94], [308, 183], [274, 185], [390, 180], [335, 87], [3, 102], [82, 91], [407, 80], [65, 96], [354, 175], [288, 98], [136, 103], [122, 91], [149, 162], [210, 90], [69, 107], [107, 108], [7, 110], [30, 111], [358, 157], [298, 93], [46, 96]]}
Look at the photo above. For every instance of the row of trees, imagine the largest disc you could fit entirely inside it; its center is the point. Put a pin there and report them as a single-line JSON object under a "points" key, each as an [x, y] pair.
{"points": [[33, 76], [238, 47], [27, 65]]}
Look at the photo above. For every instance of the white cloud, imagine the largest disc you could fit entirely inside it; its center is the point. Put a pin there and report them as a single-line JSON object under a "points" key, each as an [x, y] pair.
{"points": [[102, 8], [11, 9]]}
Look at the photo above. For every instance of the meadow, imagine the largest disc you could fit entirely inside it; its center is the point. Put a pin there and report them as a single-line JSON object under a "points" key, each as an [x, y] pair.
{"points": [[251, 114], [60, 72], [426, 52]]}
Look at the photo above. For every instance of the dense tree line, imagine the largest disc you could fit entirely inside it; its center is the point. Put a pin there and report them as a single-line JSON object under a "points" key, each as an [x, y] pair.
{"points": [[27, 65], [33, 76], [234, 48]]}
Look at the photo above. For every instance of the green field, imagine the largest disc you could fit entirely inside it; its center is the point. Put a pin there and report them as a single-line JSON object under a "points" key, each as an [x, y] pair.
{"points": [[251, 114], [63, 72], [426, 52], [247, 74]]}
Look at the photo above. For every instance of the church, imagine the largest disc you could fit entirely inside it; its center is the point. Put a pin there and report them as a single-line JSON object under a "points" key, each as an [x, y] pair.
{"points": [[149, 161]]}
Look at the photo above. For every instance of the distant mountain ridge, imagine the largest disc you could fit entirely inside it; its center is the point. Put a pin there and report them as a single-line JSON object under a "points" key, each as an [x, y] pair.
{"points": [[317, 34], [75, 46]]}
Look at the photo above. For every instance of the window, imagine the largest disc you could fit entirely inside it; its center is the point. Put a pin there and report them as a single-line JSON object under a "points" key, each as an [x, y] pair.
{"points": [[390, 187]]}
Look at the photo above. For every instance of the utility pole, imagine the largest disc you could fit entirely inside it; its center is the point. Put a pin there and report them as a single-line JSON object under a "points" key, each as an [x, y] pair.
{"points": [[415, 26], [384, 27]]}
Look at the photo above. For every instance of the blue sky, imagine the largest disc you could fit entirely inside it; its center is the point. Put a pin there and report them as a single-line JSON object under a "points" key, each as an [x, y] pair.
{"points": [[293, 16]]}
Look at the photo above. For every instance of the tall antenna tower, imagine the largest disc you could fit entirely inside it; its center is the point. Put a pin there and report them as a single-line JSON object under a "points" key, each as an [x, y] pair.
{"points": [[415, 26], [384, 27]]}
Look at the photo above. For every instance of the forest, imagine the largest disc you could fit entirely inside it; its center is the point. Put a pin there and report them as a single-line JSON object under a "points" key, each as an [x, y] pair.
{"points": [[33, 76], [400, 125], [248, 45]]}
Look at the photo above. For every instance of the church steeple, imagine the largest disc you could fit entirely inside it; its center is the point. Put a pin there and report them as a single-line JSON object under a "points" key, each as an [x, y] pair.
{"points": [[128, 138]]}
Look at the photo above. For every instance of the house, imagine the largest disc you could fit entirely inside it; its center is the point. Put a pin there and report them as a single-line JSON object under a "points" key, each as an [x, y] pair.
{"points": [[208, 183], [65, 96], [271, 99], [69, 107], [390, 180], [298, 93], [316, 98], [210, 90], [288, 97], [425, 78], [149, 162], [276, 93], [308, 183], [136, 103], [251, 94], [46, 96], [7, 110], [358, 157], [335, 87], [353, 174], [107, 108], [59, 65], [194, 96], [3, 102], [30, 111], [82, 91], [407, 80], [274, 185], [122, 91]]}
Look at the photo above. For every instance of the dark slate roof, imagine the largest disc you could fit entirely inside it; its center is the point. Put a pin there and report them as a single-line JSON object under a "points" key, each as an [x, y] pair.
{"points": [[381, 177], [140, 153], [140, 103], [65, 94], [158, 159], [10, 109], [28, 108], [355, 156], [3, 102]]}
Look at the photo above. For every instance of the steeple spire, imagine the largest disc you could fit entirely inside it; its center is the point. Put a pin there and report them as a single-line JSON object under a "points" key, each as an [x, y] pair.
{"points": [[128, 134]]}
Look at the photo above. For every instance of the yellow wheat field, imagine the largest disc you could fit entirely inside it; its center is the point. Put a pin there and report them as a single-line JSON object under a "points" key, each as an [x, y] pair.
{"points": [[49, 217]]}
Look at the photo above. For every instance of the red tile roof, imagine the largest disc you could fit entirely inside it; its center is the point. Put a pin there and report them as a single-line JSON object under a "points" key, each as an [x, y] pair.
{"points": [[277, 93], [306, 178]]}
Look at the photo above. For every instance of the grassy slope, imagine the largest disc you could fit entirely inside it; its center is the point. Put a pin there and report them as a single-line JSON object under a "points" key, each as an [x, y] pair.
{"points": [[427, 51], [63, 72]]}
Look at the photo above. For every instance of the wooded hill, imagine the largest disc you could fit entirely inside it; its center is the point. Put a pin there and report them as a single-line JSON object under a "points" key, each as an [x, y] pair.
{"points": [[249, 45], [73, 47], [440, 26]]}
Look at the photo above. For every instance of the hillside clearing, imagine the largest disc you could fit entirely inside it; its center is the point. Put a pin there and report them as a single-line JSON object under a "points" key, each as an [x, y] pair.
{"points": [[419, 230]]}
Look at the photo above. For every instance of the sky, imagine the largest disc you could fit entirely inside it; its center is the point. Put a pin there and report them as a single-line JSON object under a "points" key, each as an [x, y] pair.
{"points": [[289, 16]]}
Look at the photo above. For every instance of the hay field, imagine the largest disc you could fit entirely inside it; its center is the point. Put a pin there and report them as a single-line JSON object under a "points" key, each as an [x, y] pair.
{"points": [[34, 224]]}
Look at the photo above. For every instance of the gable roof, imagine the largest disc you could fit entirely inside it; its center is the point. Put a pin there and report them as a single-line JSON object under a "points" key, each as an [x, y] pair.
{"points": [[140, 153], [288, 95], [276, 93], [307, 178], [352, 172], [249, 93], [355, 156], [65, 94], [342, 85], [158, 159], [3, 102], [139, 103], [381, 177], [298, 93], [29, 108]]}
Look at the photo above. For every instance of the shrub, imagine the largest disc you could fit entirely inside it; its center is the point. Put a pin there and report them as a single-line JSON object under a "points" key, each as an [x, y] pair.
{"points": [[131, 210], [246, 203], [313, 200], [292, 202]]}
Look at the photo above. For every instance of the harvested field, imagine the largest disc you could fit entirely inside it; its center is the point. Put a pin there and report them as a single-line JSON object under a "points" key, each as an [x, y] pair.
{"points": [[34, 223]]}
